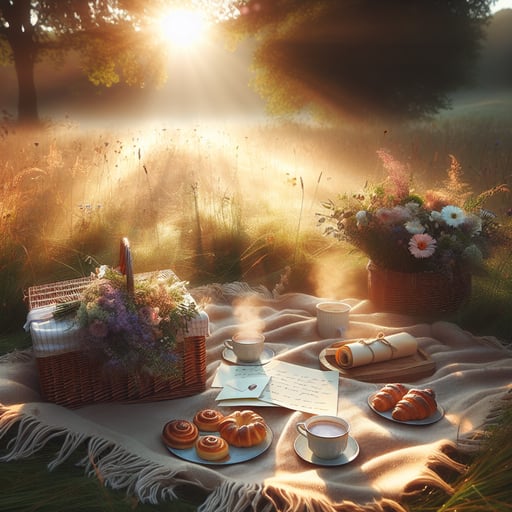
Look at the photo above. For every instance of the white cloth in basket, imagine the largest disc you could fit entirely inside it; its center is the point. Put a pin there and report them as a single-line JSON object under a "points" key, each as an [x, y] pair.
{"points": [[51, 336]]}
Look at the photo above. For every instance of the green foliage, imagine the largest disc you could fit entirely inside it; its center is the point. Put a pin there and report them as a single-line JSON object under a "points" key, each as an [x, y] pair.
{"points": [[491, 297], [362, 59]]}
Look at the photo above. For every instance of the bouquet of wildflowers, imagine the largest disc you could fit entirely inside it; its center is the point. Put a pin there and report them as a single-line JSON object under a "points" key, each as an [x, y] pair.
{"points": [[135, 331], [445, 230]]}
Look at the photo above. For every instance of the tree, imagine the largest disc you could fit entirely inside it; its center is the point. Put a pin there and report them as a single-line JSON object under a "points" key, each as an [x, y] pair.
{"points": [[362, 58], [113, 39], [495, 68]]}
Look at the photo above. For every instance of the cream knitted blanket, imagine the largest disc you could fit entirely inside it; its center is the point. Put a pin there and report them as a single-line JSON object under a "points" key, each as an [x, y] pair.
{"points": [[471, 379]]}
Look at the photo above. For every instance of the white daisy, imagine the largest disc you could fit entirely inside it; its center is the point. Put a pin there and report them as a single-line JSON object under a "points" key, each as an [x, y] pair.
{"points": [[453, 215], [415, 227]]}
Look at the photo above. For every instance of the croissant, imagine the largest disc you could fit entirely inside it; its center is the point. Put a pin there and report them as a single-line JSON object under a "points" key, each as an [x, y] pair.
{"points": [[417, 404], [387, 397]]}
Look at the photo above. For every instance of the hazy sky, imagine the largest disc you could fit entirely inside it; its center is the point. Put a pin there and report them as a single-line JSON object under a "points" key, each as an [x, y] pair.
{"points": [[502, 4]]}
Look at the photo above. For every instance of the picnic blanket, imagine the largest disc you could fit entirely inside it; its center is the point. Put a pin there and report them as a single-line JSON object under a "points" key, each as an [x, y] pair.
{"points": [[472, 379]]}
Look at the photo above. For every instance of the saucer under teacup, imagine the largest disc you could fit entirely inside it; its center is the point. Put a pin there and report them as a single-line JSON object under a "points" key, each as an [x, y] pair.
{"points": [[303, 451], [266, 356]]}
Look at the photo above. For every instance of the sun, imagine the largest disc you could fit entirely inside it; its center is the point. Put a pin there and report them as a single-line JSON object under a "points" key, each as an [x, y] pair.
{"points": [[182, 28]]}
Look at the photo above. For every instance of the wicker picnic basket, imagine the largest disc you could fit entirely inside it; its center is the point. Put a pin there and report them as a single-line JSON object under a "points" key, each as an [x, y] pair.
{"points": [[69, 376]]}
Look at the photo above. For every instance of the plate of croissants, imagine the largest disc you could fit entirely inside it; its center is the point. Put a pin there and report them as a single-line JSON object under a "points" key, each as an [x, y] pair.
{"points": [[412, 406], [214, 438]]}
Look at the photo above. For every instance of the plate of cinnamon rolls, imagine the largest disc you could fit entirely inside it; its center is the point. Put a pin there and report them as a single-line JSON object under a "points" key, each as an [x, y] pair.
{"points": [[412, 406], [214, 438]]}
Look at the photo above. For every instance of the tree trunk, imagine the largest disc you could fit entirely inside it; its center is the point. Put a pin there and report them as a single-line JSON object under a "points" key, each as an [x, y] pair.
{"points": [[20, 35], [24, 63]]}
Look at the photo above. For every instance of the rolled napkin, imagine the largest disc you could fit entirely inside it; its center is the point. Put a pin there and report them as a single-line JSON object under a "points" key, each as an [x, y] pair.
{"points": [[383, 348]]}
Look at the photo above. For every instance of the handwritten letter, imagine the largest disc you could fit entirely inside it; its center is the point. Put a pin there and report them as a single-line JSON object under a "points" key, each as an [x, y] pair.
{"points": [[292, 386]]}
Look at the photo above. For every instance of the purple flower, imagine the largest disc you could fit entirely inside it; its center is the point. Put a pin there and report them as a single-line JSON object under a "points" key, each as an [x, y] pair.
{"points": [[98, 329]]}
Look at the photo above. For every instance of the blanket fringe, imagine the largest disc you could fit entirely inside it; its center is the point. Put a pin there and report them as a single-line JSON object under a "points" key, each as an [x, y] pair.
{"points": [[32, 436], [285, 500], [233, 496], [18, 356], [120, 470], [470, 443], [113, 466]]}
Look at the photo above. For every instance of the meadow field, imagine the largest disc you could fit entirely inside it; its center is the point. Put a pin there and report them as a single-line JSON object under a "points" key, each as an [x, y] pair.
{"points": [[225, 201]]}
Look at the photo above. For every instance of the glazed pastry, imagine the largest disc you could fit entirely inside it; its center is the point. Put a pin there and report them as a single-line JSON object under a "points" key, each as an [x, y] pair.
{"points": [[243, 429], [388, 396], [212, 448], [180, 434], [417, 404], [207, 420]]}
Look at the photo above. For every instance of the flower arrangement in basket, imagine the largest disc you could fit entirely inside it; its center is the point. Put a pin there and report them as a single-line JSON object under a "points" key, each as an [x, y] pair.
{"points": [[133, 325], [443, 230]]}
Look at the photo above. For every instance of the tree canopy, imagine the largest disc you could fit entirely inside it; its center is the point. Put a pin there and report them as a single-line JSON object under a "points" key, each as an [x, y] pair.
{"points": [[362, 58]]}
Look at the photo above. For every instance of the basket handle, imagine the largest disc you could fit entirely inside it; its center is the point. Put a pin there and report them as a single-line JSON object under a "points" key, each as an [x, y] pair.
{"points": [[125, 264]]}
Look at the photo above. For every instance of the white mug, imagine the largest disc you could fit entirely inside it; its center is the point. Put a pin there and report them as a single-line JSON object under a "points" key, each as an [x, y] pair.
{"points": [[246, 346], [327, 435], [332, 318]]}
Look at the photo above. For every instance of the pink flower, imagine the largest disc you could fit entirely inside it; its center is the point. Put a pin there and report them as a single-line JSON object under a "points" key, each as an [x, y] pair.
{"points": [[149, 315], [395, 215], [398, 180], [422, 246]]}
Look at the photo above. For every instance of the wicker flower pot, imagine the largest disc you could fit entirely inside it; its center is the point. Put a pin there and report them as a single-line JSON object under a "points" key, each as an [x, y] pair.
{"points": [[421, 293]]}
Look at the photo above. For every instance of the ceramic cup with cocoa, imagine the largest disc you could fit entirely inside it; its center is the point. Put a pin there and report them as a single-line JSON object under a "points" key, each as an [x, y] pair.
{"points": [[332, 318], [247, 347], [327, 436]]}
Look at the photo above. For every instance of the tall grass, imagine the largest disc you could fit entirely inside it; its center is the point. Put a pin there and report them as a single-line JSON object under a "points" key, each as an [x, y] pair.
{"points": [[485, 485], [217, 202]]}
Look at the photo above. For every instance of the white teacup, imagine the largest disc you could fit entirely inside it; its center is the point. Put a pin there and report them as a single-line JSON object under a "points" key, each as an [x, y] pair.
{"points": [[327, 435], [332, 318], [247, 347]]}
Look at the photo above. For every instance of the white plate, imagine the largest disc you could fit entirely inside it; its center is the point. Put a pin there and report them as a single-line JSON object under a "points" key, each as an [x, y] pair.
{"points": [[303, 451], [265, 357], [235, 456], [433, 418]]}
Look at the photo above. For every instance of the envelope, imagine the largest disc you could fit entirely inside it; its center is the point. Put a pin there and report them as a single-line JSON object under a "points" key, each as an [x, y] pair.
{"points": [[243, 387]]}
